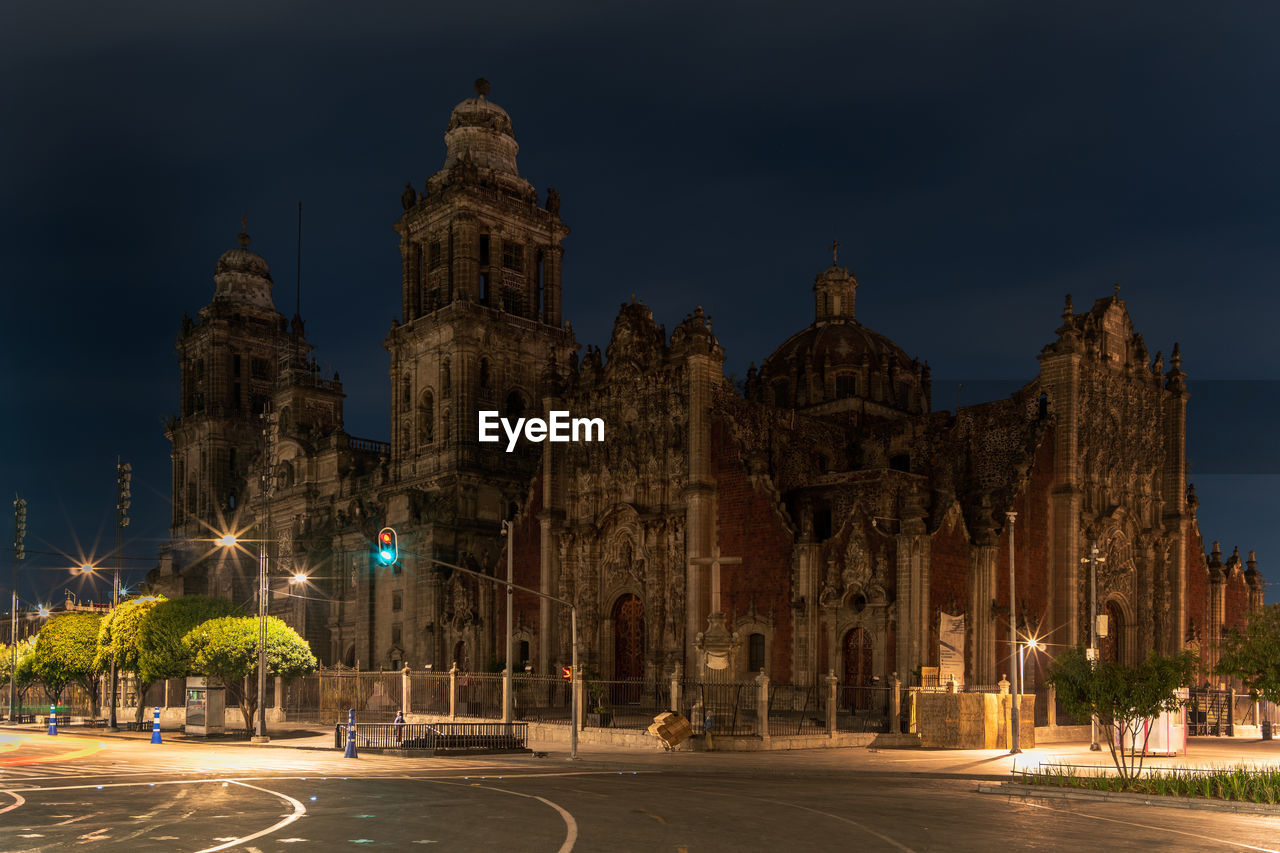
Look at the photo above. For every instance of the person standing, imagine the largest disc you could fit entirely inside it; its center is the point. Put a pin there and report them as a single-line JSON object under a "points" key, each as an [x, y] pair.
{"points": [[398, 724]]}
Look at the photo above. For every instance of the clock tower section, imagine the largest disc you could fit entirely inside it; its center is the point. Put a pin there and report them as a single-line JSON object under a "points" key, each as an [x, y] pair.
{"points": [[481, 269]]}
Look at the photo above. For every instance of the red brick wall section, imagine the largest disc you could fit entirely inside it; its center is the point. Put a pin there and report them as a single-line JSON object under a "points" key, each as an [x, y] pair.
{"points": [[1031, 542], [1237, 599], [749, 527]]}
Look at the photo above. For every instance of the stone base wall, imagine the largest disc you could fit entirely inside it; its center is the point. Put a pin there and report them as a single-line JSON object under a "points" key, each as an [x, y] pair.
{"points": [[972, 720]]}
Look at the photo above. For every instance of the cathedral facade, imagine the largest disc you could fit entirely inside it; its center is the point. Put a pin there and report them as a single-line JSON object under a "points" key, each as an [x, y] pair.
{"points": [[820, 518]]}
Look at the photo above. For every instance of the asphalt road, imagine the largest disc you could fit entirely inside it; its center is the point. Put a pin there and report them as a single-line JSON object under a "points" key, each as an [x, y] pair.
{"points": [[87, 794]]}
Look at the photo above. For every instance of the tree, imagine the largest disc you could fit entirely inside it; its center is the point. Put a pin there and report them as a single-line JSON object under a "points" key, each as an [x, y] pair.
{"points": [[25, 678], [118, 641], [1122, 696], [64, 652], [1253, 655], [227, 649], [161, 651]]}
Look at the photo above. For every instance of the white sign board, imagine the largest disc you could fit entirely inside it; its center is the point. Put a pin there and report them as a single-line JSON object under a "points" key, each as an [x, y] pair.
{"points": [[950, 648]]}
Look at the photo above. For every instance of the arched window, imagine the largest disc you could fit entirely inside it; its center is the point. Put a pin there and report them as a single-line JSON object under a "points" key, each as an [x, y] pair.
{"points": [[755, 652], [846, 385], [484, 373], [406, 390], [427, 419], [446, 379]]}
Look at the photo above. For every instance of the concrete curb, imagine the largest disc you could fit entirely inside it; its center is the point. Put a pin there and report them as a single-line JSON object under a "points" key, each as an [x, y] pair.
{"points": [[1045, 792]]}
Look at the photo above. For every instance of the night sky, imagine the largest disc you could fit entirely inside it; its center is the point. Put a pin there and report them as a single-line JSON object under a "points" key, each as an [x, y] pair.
{"points": [[977, 161]]}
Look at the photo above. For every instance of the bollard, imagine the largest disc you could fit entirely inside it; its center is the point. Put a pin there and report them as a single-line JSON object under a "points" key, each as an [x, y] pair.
{"points": [[351, 734], [155, 727], [53, 720]]}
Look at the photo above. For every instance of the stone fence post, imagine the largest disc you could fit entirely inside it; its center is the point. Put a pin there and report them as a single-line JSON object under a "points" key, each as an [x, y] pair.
{"points": [[453, 691], [405, 704], [677, 681], [762, 706], [831, 703], [1051, 696], [895, 704]]}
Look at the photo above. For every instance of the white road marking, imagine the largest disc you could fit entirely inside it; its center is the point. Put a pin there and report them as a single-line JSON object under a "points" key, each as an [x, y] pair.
{"points": [[17, 801], [1092, 816], [298, 811], [571, 825], [840, 818]]}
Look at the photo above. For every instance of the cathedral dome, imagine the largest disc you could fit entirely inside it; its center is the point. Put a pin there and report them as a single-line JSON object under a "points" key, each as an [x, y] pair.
{"points": [[837, 363], [480, 133], [242, 276]]}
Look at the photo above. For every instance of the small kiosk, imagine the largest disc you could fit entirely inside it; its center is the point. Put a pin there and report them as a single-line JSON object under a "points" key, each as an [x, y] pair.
{"points": [[205, 707]]}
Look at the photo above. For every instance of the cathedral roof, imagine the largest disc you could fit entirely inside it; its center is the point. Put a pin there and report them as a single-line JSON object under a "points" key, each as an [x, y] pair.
{"points": [[242, 275], [837, 343]]}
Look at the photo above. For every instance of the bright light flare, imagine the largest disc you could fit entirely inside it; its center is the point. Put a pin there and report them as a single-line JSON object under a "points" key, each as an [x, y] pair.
{"points": [[300, 577], [227, 541]]}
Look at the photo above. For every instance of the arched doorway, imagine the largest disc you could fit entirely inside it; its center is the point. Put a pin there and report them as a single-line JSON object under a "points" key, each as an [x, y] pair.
{"points": [[628, 648], [857, 668], [1109, 647]]}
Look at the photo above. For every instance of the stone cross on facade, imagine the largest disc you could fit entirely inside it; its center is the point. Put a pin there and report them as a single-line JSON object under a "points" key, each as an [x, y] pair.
{"points": [[715, 561], [717, 643]]}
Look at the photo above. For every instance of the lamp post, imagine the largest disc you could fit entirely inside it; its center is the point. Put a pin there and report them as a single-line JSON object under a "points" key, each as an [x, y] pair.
{"points": [[1015, 713], [576, 697], [123, 477], [260, 725], [508, 697], [1093, 559], [19, 533]]}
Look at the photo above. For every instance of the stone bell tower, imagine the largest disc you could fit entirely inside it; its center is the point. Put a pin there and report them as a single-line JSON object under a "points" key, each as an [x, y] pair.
{"points": [[480, 323]]}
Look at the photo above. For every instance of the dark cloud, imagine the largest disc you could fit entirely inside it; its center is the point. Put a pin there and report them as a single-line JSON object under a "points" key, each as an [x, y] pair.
{"points": [[977, 161]]}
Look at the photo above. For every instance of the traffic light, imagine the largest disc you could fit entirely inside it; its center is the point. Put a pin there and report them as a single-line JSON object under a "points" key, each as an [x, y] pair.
{"points": [[388, 551], [19, 528], [566, 672], [124, 477]]}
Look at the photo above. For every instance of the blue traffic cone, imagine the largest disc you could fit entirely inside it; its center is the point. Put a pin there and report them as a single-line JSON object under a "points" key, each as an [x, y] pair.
{"points": [[351, 734], [155, 727], [53, 720]]}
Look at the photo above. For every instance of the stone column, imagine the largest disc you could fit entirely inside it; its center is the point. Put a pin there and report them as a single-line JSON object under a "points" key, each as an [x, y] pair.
{"points": [[831, 703], [762, 707], [453, 691], [1060, 377], [982, 592], [406, 705], [895, 704]]}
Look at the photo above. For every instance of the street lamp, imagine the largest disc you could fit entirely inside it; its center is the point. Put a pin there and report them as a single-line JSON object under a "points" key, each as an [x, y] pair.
{"points": [[124, 477], [1093, 559], [227, 541], [1032, 643], [1015, 712], [508, 693], [19, 533]]}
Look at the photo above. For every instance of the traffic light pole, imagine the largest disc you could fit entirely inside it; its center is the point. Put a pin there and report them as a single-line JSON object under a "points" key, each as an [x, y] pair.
{"points": [[575, 698]]}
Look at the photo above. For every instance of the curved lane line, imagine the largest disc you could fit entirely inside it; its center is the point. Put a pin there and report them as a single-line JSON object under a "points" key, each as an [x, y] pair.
{"points": [[1149, 826], [18, 800], [298, 811], [571, 825], [841, 818]]}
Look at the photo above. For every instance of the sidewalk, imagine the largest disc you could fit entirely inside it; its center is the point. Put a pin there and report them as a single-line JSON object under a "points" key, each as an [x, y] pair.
{"points": [[987, 765]]}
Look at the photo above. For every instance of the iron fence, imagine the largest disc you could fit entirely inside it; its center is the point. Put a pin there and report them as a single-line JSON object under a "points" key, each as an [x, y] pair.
{"points": [[722, 708], [326, 695], [863, 709], [796, 710], [428, 693]]}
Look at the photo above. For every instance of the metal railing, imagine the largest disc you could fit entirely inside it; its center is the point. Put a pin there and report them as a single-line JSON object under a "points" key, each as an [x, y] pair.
{"points": [[436, 737], [863, 709]]}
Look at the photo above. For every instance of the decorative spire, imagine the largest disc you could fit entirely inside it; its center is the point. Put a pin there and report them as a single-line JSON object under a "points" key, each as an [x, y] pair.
{"points": [[1116, 295], [1068, 311], [1175, 379], [835, 248], [243, 239]]}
